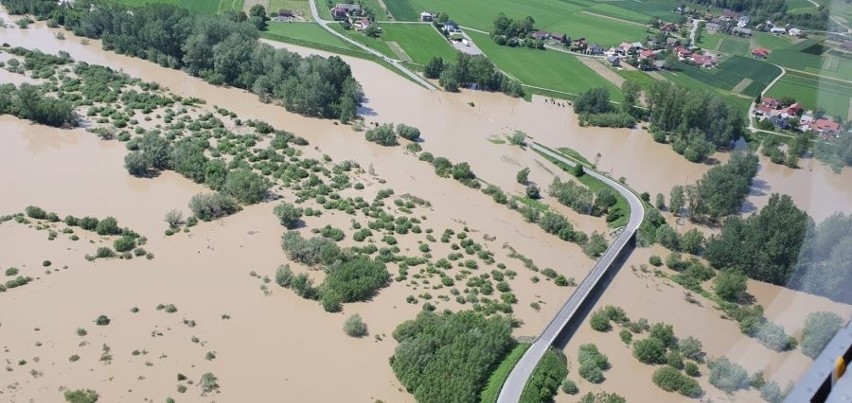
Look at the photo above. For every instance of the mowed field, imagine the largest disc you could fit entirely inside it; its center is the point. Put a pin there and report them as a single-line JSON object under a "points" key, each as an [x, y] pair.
{"points": [[596, 21], [544, 68], [732, 71], [421, 42], [196, 6], [814, 92], [682, 79], [308, 34], [301, 7]]}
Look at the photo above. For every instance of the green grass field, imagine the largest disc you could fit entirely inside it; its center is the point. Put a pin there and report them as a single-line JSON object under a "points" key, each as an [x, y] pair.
{"points": [[373, 43], [196, 6], [309, 33], [544, 68], [734, 46], [564, 16], [733, 70], [813, 92], [498, 377], [300, 6], [420, 41], [639, 76], [709, 41]]}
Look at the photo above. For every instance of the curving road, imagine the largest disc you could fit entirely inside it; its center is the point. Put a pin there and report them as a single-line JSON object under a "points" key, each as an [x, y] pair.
{"points": [[395, 63], [514, 386]]}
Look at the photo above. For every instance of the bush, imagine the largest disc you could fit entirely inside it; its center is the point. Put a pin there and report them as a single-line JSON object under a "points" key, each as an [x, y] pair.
{"points": [[102, 320], [592, 363], [655, 261], [727, 375], [288, 214], [570, 387], [354, 326], [670, 380], [36, 212], [81, 396], [124, 244], [88, 223], [108, 226], [173, 218], [104, 252], [650, 351], [691, 348], [209, 206], [136, 163], [772, 393], [691, 369], [382, 135], [626, 336], [408, 132], [545, 379], [730, 285], [599, 321]]}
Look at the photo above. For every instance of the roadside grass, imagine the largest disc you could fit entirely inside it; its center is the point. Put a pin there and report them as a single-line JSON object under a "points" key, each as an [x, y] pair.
{"points": [[300, 6], [498, 377], [196, 6], [575, 155], [421, 42], [592, 183], [373, 43], [553, 70], [814, 92]]}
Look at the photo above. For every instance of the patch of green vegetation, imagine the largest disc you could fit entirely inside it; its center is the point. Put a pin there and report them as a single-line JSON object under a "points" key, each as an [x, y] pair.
{"points": [[312, 33], [196, 6], [498, 377], [685, 80], [734, 46], [376, 44], [733, 70]]}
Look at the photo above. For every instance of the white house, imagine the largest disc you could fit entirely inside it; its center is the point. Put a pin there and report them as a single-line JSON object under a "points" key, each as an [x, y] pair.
{"points": [[742, 22], [795, 31], [778, 30]]}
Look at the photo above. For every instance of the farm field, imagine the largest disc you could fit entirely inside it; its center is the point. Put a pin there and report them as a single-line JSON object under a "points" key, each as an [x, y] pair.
{"points": [[301, 7], [639, 76], [710, 41], [734, 45], [813, 92], [554, 70], [372, 43], [196, 6], [420, 41], [550, 15], [733, 70]]}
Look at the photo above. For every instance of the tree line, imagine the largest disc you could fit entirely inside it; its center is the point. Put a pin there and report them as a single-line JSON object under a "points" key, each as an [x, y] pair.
{"points": [[696, 123], [471, 72], [595, 109], [220, 49]]}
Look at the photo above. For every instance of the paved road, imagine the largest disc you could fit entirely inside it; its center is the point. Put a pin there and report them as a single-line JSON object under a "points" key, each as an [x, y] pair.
{"points": [[395, 63], [695, 23], [514, 386], [751, 117]]}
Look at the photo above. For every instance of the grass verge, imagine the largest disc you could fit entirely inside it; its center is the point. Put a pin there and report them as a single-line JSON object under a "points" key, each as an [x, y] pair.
{"points": [[498, 377]]}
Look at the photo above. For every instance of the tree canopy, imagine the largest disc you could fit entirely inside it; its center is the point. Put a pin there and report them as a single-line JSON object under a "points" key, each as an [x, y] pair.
{"points": [[447, 357]]}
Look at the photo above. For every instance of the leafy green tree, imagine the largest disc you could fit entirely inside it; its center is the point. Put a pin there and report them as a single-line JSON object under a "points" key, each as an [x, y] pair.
{"points": [[592, 363], [820, 327], [246, 186], [188, 160], [631, 90], [671, 380], [676, 200], [288, 214], [692, 241], [595, 100], [157, 150], [730, 285], [599, 321], [660, 201], [434, 67], [209, 206], [408, 132], [545, 379], [136, 163], [108, 226], [691, 369], [595, 246]]}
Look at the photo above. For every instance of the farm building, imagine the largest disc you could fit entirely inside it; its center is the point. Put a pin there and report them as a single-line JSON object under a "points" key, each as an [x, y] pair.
{"points": [[426, 16], [613, 61], [341, 11], [703, 60], [741, 31], [824, 127], [795, 31], [778, 31]]}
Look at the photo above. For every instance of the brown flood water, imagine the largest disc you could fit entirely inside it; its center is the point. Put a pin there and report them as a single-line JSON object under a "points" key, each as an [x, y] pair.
{"points": [[281, 344]]}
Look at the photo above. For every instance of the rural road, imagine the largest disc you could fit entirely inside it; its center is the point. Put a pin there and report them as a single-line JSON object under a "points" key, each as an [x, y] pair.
{"points": [[751, 117], [514, 386], [395, 63], [695, 24]]}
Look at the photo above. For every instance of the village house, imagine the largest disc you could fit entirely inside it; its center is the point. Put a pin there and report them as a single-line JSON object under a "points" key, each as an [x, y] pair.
{"points": [[450, 27], [792, 111], [613, 61], [742, 22], [760, 53], [778, 30], [565, 39], [426, 16], [668, 28], [342, 11], [579, 44], [540, 35], [682, 52], [595, 49], [712, 27], [729, 15], [647, 54], [824, 127], [771, 103], [361, 24], [794, 31]]}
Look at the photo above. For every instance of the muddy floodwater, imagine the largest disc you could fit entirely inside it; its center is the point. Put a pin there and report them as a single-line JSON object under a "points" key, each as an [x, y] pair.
{"points": [[280, 344]]}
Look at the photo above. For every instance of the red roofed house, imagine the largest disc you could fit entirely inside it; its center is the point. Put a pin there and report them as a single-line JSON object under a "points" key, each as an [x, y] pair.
{"points": [[761, 53], [647, 54], [361, 24], [703, 61], [682, 52], [772, 103], [824, 126], [668, 27], [763, 110], [792, 111]]}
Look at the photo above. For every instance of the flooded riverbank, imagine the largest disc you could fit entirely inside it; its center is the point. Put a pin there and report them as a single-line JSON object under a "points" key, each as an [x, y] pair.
{"points": [[272, 343]]}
